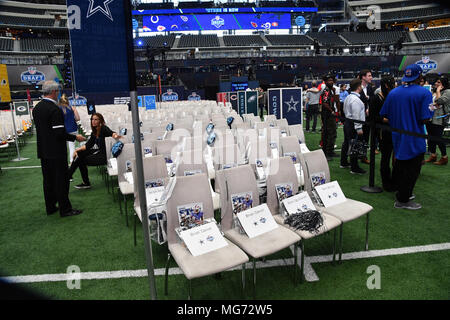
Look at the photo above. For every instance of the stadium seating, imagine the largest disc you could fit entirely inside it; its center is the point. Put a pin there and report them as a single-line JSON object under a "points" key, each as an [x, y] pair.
{"points": [[198, 41], [433, 34], [373, 37], [289, 40], [22, 21], [327, 38], [43, 45], [6, 44], [158, 41], [243, 41], [414, 13]]}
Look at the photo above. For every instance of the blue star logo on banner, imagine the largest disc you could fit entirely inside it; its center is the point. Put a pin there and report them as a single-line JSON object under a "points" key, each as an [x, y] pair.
{"points": [[102, 8], [292, 104]]}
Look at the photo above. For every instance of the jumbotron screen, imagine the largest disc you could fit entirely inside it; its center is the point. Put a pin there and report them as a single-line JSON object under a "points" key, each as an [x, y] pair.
{"points": [[227, 21]]}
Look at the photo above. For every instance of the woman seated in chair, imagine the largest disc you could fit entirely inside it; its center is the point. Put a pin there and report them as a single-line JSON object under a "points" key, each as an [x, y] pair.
{"points": [[93, 153]]}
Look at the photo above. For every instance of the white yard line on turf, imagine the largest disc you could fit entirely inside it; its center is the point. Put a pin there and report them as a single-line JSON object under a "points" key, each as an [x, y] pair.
{"points": [[310, 275], [26, 167]]}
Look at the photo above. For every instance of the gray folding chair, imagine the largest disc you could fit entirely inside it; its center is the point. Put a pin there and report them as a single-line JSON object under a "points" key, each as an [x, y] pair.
{"points": [[124, 161], [315, 162], [297, 130], [282, 171], [242, 180], [206, 264], [154, 168]]}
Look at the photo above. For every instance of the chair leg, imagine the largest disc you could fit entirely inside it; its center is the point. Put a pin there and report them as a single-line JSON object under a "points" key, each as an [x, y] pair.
{"points": [[334, 247], [254, 278], [190, 290], [126, 210], [166, 280], [134, 229], [367, 232], [340, 243], [302, 268], [243, 280], [120, 202], [295, 263]]}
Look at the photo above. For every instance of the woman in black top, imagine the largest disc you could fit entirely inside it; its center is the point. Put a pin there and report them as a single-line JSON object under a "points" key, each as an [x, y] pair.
{"points": [[93, 153], [387, 83]]}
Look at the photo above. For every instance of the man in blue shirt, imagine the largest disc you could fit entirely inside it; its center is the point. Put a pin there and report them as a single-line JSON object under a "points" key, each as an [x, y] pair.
{"points": [[407, 108]]}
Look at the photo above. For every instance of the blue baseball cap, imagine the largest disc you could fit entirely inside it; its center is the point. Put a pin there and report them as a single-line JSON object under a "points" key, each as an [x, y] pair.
{"points": [[412, 72]]}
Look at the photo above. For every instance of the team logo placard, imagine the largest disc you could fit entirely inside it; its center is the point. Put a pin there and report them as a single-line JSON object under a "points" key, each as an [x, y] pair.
{"points": [[32, 76]]}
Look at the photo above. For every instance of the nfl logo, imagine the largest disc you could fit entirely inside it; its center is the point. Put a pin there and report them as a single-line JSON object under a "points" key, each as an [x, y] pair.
{"points": [[408, 72], [425, 59], [32, 70], [217, 22]]}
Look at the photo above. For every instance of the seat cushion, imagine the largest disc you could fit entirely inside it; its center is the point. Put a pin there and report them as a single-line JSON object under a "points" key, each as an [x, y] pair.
{"points": [[126, 188], [329, 223], [209, 263], [348, 210], [264, 244]]}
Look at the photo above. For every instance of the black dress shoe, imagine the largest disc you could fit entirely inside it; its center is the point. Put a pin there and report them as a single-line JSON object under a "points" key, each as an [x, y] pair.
{"points": [[52, 211], [72, 212]]}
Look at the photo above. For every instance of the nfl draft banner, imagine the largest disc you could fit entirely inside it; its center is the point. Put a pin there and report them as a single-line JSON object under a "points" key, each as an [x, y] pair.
{"points": [[286, 103], [99, 47], [434, 63], [251, 100], [5, 92]]}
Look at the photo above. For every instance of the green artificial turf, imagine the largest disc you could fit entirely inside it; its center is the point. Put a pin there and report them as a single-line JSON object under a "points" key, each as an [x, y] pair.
{"points": [[97, 240]]}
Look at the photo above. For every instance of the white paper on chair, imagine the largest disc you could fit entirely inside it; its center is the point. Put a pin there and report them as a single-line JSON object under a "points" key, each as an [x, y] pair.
{"points": [[129, 177], [257, 220], [113, 163], [153, 195], [301, 202], [330, 194], [203, 239]]}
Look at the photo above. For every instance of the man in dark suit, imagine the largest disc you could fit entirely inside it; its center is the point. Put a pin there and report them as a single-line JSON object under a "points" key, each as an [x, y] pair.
{"points": [[366, 94], [52, 150]]}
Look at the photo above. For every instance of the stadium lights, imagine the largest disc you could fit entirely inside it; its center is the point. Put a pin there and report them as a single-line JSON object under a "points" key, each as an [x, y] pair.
{"points": [[367, 49], [346, 50], [140, 43]]}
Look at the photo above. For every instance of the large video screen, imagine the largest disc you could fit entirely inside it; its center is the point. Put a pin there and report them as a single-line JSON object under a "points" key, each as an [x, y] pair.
{"points": [[261, 21]]}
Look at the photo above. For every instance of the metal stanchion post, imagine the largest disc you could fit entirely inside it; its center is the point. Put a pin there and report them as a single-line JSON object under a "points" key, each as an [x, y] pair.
{"points": [[371, 188]]}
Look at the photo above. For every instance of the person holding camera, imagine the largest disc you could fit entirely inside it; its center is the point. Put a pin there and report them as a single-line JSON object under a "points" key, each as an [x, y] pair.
{"points": [[440, 118], [354, 109]]}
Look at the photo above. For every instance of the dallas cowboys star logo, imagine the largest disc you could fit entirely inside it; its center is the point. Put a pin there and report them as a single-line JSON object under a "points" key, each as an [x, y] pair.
{"points": [[292, 104], [102, 8]]}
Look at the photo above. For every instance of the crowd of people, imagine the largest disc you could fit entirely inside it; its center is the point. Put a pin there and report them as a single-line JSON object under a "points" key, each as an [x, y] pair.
{"points": [[400, 114]]}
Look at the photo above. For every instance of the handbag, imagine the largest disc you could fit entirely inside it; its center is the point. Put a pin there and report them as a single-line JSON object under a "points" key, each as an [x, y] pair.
{"points": [[358, 148]]}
